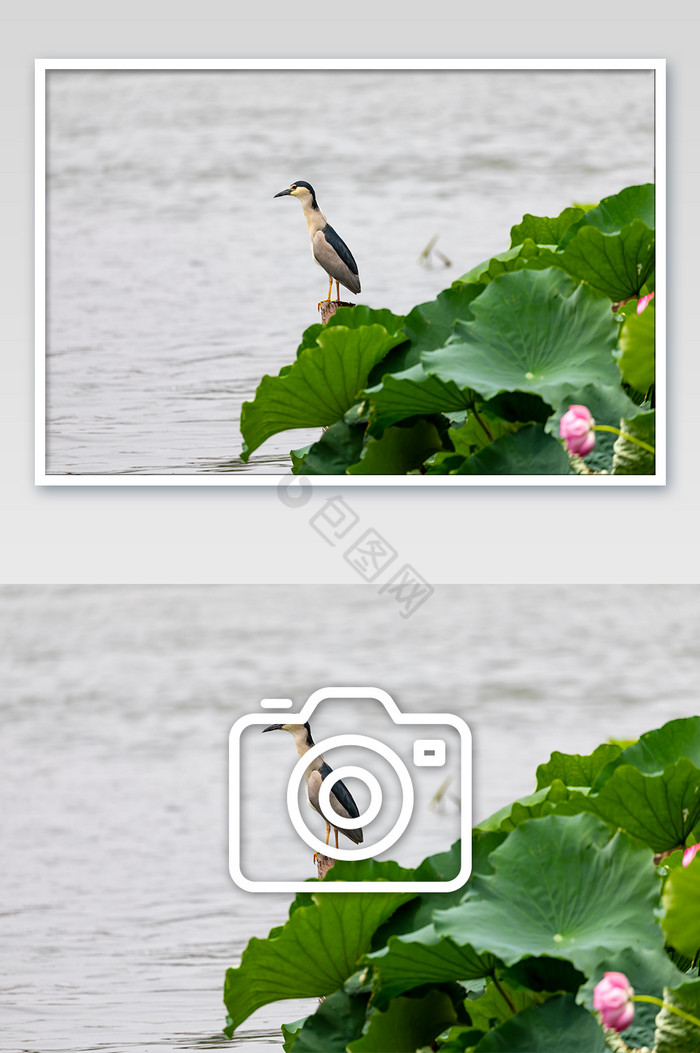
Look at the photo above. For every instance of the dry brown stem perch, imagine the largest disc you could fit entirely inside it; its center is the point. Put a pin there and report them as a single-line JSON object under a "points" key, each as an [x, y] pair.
{"points": [[329, 307], [324, 864]]}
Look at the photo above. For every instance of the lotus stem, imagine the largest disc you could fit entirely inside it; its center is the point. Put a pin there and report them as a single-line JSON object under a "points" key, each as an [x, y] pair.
{"points": [[625, 435], [666, 1005]]}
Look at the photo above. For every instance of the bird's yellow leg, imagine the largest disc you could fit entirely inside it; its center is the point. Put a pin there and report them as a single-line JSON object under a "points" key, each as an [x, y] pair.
{"points": [[328, 832], [330, 289], [336, 836], [337, 292]]}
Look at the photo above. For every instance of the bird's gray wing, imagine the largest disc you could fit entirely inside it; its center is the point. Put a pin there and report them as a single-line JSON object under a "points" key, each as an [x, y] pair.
{"points": [[336, 242], [341, 793], [336, 259]]}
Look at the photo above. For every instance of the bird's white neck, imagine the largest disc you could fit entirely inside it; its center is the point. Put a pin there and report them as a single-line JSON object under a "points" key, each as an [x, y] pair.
{"points": [[315, 219], [301, 742], [302, 745]]}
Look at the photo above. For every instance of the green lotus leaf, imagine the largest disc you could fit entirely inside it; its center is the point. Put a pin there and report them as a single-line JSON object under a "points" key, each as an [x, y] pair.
{"points": [[656, 749], [618, 265], [407, 1024], [528, 451], [559, 1024], [526, 256], [673, 1033], [637, 345], [321, 385], [411, 393], [493, 1007], [421, 957], [338, 448], [562, 888], [472, 436], [290, 1032], [429, 325], [545, 974], [353, 318], [542, 229], [629, 458], [660, 810], [338, 1019], [616, 212], [549, 801], [573, 769], [681, 900], [460, 1038], [533, 331], [418, 912], [398, 451], [315, 951]]}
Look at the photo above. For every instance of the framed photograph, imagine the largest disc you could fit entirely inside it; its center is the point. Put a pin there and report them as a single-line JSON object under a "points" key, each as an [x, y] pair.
{"points": [[468, 290]]}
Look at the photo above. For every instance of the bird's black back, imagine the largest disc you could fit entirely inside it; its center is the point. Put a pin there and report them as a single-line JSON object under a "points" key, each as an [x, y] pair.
{"points": [[336, 242], [341, 792]]}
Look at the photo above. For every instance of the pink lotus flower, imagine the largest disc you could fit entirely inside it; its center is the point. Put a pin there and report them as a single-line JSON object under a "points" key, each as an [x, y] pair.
{"points": [[612, 997], [576, 429], [643, 301], [690, 853]]}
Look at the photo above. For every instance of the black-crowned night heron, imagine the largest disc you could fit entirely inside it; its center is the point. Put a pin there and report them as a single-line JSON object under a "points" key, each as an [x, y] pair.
{"points": [[327, 247], [341, 799]]}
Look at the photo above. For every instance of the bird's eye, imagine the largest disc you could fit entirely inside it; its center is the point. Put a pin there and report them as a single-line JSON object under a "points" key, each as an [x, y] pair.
{"points": [[293, 186]]}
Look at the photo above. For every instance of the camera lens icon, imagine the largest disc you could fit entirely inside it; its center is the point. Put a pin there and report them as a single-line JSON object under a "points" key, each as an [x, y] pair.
{"points": [[370, 813]]}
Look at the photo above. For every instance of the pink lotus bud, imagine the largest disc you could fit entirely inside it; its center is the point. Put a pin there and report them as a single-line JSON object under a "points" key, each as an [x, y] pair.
{"points": [[612, 997], [576, 429], [689, 854], [643, 301]]}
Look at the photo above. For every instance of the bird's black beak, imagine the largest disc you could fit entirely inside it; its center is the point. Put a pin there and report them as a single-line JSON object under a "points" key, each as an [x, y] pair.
{"points": [[282, 193], [273, 727]]}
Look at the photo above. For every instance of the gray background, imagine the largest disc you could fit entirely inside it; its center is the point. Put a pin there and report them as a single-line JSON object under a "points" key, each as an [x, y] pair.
{"points": [[489, 535]]}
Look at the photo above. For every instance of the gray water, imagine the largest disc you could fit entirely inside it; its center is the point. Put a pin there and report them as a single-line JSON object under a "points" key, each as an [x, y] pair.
{"points": [[119, 917], [175, 281]]}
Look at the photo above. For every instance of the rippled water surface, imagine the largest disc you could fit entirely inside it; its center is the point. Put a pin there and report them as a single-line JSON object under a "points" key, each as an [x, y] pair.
{"points": [[175, 281], [118, 915]]}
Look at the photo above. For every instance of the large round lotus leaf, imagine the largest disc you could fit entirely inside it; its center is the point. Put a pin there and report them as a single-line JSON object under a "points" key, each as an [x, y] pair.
{"points": [[656, 749], [423, 957], [320, 387], [573, 769], [533, 331], [528, 451], [616, 212], [408, 1024], [338, 1019], [637, 343], [411, 392], [544, 230], [556, 1026], [562, 888], [681, 922], [318, 948], [398, 451], [619, 265]]}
